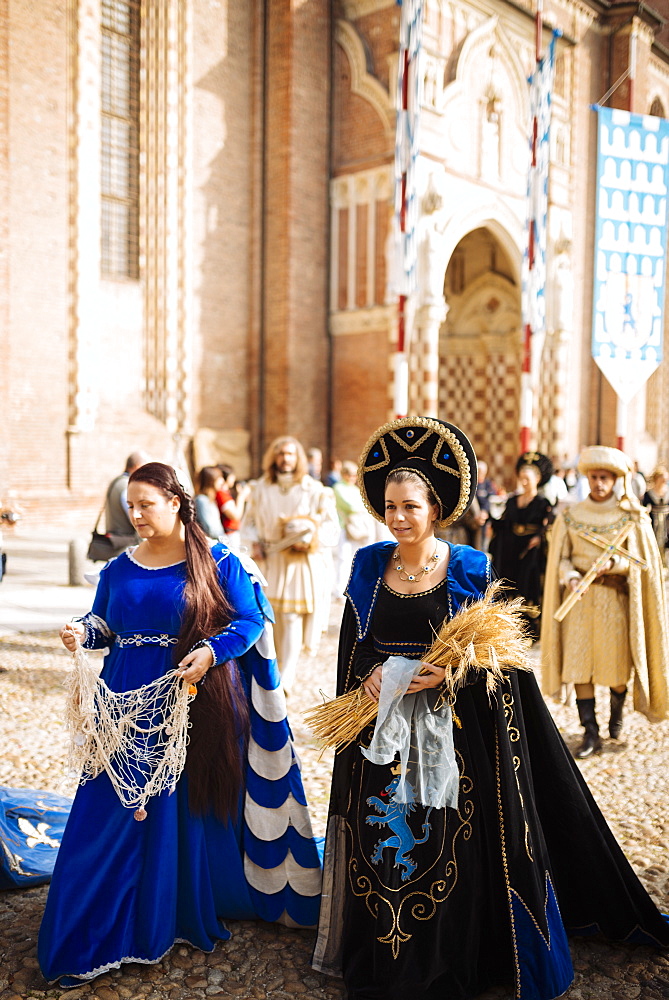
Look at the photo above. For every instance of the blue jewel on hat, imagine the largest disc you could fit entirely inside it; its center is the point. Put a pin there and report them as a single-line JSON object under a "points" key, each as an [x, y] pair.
{"points": [[409, 433], [446, 455], [376, 454]]}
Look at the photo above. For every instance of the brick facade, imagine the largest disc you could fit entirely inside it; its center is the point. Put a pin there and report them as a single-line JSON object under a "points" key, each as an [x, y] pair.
{"points": [[4, 242], [266, 202]]}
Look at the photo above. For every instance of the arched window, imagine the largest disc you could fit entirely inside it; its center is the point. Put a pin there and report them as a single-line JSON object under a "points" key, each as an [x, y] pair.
{"points": [[657, 108]]}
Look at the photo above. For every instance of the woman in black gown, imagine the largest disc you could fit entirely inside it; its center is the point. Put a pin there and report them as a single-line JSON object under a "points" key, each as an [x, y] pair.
{"points": [[461, 865], [656, 502], [518, 545]]}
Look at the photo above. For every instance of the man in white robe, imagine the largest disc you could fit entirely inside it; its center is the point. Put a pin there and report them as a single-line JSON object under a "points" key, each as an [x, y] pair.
{"points": [[290, 525]]}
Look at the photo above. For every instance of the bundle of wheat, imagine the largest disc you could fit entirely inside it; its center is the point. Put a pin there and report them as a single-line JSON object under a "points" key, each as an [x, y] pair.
{"points": [[488, 636]]}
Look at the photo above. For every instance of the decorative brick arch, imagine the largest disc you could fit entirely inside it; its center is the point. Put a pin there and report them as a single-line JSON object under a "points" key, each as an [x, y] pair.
{"points": [[657, 108], [363, 84], [484, 110], [470, 61], [494, 216], [480, 349]]}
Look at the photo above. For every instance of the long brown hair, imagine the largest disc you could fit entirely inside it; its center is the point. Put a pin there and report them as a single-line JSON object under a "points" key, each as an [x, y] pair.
{"points": [[207, 479], [219, 714], [269, 458]]}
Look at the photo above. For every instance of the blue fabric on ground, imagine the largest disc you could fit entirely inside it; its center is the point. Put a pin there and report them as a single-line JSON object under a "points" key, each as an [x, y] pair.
{"points": [[31, 829]]}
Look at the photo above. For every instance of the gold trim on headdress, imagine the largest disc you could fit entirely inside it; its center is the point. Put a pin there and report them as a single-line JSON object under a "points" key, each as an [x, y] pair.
{"points": [[445, 435], [409, 447], [386, 457]]}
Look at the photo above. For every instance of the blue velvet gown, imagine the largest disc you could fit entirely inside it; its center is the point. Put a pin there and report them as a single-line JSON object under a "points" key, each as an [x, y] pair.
{"points": [[126, 891]]}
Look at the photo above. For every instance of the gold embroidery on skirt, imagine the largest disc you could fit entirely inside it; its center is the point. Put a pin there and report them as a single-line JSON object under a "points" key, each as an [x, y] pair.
{"points": [[422, 905]]}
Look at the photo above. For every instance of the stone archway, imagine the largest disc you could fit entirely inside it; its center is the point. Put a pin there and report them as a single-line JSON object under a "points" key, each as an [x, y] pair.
{"points": [[480, 350]]}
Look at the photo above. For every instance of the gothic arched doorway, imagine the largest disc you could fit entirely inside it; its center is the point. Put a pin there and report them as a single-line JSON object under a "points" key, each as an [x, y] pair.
{"points": [[480, 350]]}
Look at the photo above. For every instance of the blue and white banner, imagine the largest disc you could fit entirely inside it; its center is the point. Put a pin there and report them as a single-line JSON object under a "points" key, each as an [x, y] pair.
{"points": [[534, 263], [409, 85], [630, 247]]}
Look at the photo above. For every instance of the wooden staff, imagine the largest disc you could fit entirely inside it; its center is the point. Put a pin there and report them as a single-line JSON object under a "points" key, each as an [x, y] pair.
{"points": [[599, 564]]}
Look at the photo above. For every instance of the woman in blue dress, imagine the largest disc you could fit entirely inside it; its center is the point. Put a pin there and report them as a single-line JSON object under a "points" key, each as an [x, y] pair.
{"points": [[233, 838], [465, 863]]}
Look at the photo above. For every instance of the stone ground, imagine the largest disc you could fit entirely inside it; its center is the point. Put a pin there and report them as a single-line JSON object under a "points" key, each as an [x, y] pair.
{"points": [[268, 962]]}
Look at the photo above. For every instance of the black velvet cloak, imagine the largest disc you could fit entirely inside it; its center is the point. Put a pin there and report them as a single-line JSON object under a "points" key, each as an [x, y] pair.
{"points": [[443, 903]]}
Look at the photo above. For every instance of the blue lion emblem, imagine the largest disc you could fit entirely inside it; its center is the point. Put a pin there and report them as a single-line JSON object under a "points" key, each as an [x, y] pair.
{"points": [[394, 814]]}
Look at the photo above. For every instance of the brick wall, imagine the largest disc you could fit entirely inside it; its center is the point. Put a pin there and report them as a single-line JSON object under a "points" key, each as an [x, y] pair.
{"points": [[296, 253], [258, 261], [380, 32], [222, 61], [41, 459], [361, 402], [4, 244], [36, 372], [359, 140]]}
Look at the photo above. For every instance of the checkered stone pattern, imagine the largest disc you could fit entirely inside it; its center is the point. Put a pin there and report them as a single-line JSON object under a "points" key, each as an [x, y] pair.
{"points": [[480, 394], [549, 402], [657, 407], [503, 441], [462, 395], [546, 401], [424, 377]]}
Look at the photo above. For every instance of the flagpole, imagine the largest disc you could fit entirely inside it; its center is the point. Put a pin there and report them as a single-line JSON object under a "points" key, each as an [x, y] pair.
{"points": [[526, 390]]}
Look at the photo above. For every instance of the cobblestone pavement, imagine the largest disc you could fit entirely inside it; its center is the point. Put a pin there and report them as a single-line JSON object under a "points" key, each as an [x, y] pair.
{"points": [[628, 779]]}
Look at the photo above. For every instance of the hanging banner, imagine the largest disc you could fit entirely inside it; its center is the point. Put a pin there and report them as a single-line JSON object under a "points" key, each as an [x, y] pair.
{"points": [[534, 263], [409, 82], [630, 247]]}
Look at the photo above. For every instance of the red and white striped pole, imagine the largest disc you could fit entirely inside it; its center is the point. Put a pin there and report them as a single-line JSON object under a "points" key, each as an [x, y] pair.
{"points": [[401, 394]]}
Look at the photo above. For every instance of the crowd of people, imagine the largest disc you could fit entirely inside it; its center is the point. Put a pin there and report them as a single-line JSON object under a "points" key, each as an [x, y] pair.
{"points": [[462, 844]]}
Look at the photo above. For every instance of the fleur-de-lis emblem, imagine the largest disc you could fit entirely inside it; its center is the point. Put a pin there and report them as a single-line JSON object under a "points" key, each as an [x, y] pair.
{"points": [[36, 834]]}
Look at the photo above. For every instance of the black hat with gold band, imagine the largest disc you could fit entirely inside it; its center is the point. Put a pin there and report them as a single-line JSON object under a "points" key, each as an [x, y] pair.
{"points": [[540, 462], [438, 452]]}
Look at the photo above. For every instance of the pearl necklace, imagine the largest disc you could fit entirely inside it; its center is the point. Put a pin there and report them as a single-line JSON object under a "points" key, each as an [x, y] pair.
{"points": [[419, 574]]}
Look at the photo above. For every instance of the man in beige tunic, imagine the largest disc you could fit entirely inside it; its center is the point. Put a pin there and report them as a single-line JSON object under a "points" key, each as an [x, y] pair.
{"points": [[617, 629], [291, 527]]}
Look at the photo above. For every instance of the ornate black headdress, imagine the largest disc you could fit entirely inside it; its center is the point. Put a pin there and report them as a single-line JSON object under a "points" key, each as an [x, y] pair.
{"points": [[438, 452], [541, 463]]}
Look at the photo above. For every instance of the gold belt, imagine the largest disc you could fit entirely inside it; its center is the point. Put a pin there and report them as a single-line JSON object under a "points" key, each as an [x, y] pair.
{"points": [[526, 529]]}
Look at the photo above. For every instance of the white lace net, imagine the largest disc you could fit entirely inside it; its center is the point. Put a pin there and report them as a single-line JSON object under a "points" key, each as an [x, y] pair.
{"points": [[139, 737]]}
